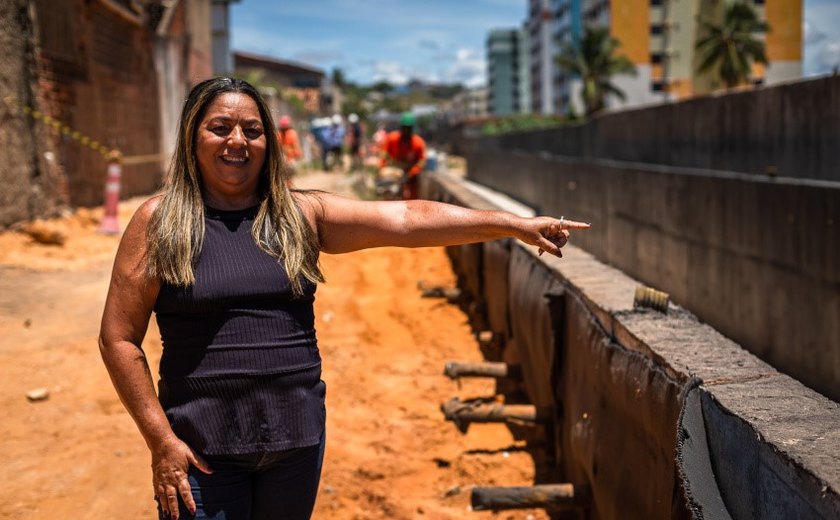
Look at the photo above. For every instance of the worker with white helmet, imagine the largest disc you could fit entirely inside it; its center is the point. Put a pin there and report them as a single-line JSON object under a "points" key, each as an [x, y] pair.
{"points": [[333, 140]]}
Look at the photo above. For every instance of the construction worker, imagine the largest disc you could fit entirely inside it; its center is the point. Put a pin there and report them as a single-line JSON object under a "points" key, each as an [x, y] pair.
{"points": [[378, 142], [407, 151], [289, 142], [332, 141], [354, 140]]}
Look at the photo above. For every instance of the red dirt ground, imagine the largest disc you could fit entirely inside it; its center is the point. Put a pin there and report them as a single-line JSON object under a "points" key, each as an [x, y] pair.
{"points": [[389, 453]]}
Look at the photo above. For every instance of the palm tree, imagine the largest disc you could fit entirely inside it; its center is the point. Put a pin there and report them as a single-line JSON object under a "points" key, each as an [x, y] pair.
{"points": [[593, 60], [731, 47]]}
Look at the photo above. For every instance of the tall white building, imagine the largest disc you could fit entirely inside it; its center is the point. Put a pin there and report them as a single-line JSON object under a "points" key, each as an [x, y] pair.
{"points": [[540, 27]]}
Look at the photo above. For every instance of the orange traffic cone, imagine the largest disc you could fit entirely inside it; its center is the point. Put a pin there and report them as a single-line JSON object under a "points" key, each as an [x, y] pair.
{"points": [[112, 194]]}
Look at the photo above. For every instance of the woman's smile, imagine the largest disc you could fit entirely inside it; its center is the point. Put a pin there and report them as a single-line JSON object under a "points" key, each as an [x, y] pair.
{"points": [[230, 150]]}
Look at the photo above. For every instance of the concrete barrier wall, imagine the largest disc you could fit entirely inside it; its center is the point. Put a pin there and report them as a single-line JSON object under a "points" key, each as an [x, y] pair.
{"points": [[660, 415], [788, 130], [758, 259]]}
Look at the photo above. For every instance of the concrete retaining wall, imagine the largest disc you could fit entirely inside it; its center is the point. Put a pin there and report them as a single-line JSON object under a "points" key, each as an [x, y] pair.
{"points": [[662, 416], [788, 130], [757, 258]]}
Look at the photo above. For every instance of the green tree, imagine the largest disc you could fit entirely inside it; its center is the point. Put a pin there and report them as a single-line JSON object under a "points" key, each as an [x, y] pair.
{"points": [[593, 59], [382, 86], [731, 46]]}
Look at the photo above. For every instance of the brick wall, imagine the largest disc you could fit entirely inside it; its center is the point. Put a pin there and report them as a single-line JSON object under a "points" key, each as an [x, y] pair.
{"points": [[97, 75]]}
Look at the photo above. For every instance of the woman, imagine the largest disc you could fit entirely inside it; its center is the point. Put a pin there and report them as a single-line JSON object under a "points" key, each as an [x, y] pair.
{"points": [[227, 257]]}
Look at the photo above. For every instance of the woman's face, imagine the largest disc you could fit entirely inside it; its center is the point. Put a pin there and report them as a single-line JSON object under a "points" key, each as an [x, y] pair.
{"points": [[230, 147]]}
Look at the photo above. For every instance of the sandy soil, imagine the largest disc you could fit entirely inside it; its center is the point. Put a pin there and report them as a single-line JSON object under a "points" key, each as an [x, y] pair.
{"points": [[389, 454]]}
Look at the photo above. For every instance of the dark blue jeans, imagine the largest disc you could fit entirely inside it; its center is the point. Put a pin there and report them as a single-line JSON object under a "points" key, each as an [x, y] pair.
{"points": [[276, 486]]}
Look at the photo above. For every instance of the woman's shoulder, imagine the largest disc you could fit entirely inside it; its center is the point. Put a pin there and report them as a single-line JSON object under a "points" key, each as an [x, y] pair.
{"points": [[148, 207], [143, 215]]}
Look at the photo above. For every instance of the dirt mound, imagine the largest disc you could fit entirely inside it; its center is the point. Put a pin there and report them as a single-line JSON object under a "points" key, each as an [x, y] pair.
{"points": [[68, 243]]}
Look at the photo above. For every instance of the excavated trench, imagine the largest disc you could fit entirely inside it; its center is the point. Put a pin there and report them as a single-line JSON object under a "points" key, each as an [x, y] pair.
{"points": [[644, 414]]}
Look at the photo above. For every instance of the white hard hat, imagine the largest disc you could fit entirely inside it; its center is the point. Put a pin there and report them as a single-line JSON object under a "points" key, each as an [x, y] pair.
{"points": [[353, 118], [336, 119]]}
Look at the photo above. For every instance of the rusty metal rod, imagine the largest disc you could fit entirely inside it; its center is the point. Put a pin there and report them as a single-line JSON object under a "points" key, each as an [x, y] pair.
{"points": [[544, 496], [456, 369]]}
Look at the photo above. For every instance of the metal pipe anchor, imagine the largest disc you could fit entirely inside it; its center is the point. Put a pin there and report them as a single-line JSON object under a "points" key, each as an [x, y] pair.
{"points": [[498, 370], [543, 496], [465, 413]]}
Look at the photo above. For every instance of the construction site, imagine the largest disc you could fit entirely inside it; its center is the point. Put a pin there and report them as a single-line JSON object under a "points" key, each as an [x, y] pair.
{"points": [[680, 360]]}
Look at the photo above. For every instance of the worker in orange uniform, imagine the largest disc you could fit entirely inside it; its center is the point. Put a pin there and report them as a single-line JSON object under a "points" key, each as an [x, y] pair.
{"points": [[407, 151], [287, 137]]}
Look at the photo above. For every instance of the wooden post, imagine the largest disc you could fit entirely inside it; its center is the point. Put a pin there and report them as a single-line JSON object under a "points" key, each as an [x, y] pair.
{"points": [[544, 496], [455, 369], [465, 413]]}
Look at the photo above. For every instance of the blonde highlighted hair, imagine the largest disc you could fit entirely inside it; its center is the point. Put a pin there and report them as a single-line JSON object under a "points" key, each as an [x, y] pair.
{"points": [[176, 229]]}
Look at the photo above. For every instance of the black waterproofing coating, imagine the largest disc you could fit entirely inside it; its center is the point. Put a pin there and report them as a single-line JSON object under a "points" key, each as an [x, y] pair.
{"points": [[531, 283], [496, 286]]}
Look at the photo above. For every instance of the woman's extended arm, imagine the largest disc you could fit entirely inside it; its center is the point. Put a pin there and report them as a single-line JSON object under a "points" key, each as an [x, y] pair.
{"points": [[345, 225], [129, 305]]}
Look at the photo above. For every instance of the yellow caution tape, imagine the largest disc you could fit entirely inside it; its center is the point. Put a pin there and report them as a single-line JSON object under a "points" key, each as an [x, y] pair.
{"points": [[61, 127], [82, 139]]}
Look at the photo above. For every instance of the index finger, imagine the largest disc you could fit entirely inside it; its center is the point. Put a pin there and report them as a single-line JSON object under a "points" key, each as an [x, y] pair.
{"points": [[573, 224]]}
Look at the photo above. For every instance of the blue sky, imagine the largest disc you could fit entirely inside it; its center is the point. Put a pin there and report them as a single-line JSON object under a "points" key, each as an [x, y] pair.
{"points": [[435, 40], [822, 36]]}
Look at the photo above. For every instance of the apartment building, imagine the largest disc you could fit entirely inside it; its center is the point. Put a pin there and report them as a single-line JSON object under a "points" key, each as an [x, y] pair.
{"points": [[468, 104], [508, 72], [674, 31], [659, 37], [540, 26], [567, 30]]}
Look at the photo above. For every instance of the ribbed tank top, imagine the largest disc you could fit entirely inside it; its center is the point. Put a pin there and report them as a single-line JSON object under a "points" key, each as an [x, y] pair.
{"points": [[240, 371]]}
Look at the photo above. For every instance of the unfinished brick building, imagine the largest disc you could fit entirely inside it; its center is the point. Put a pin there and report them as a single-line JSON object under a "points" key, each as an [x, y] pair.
{"points": [[116, 71]]}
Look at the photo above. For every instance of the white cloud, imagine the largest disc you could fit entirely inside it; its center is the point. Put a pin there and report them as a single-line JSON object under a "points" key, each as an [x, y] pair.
{"points": [[810, 33], [390, 71], [821, 42], [829, 56], [469, 68]]}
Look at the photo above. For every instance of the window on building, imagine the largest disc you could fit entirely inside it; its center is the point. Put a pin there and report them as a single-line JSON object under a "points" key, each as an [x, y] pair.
{"points": [[657, 86], [654, 3], [656, 29], [656, 58], [758, 2]]}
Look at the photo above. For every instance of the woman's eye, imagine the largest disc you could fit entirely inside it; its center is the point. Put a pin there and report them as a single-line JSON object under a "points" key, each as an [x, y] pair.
{"points": [[219, 130], [252, 133]]}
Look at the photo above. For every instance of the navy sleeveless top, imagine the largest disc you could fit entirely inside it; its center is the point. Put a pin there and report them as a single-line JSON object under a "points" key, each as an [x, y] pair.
{"points": [[240, 371]]}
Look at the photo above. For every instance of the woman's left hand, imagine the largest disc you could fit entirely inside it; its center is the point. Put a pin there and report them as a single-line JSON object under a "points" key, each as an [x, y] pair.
{"points": [[547, 233]]}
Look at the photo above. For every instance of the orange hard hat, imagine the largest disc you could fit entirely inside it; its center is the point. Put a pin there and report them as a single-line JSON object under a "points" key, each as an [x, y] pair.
{"points": [[285, 122]]}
